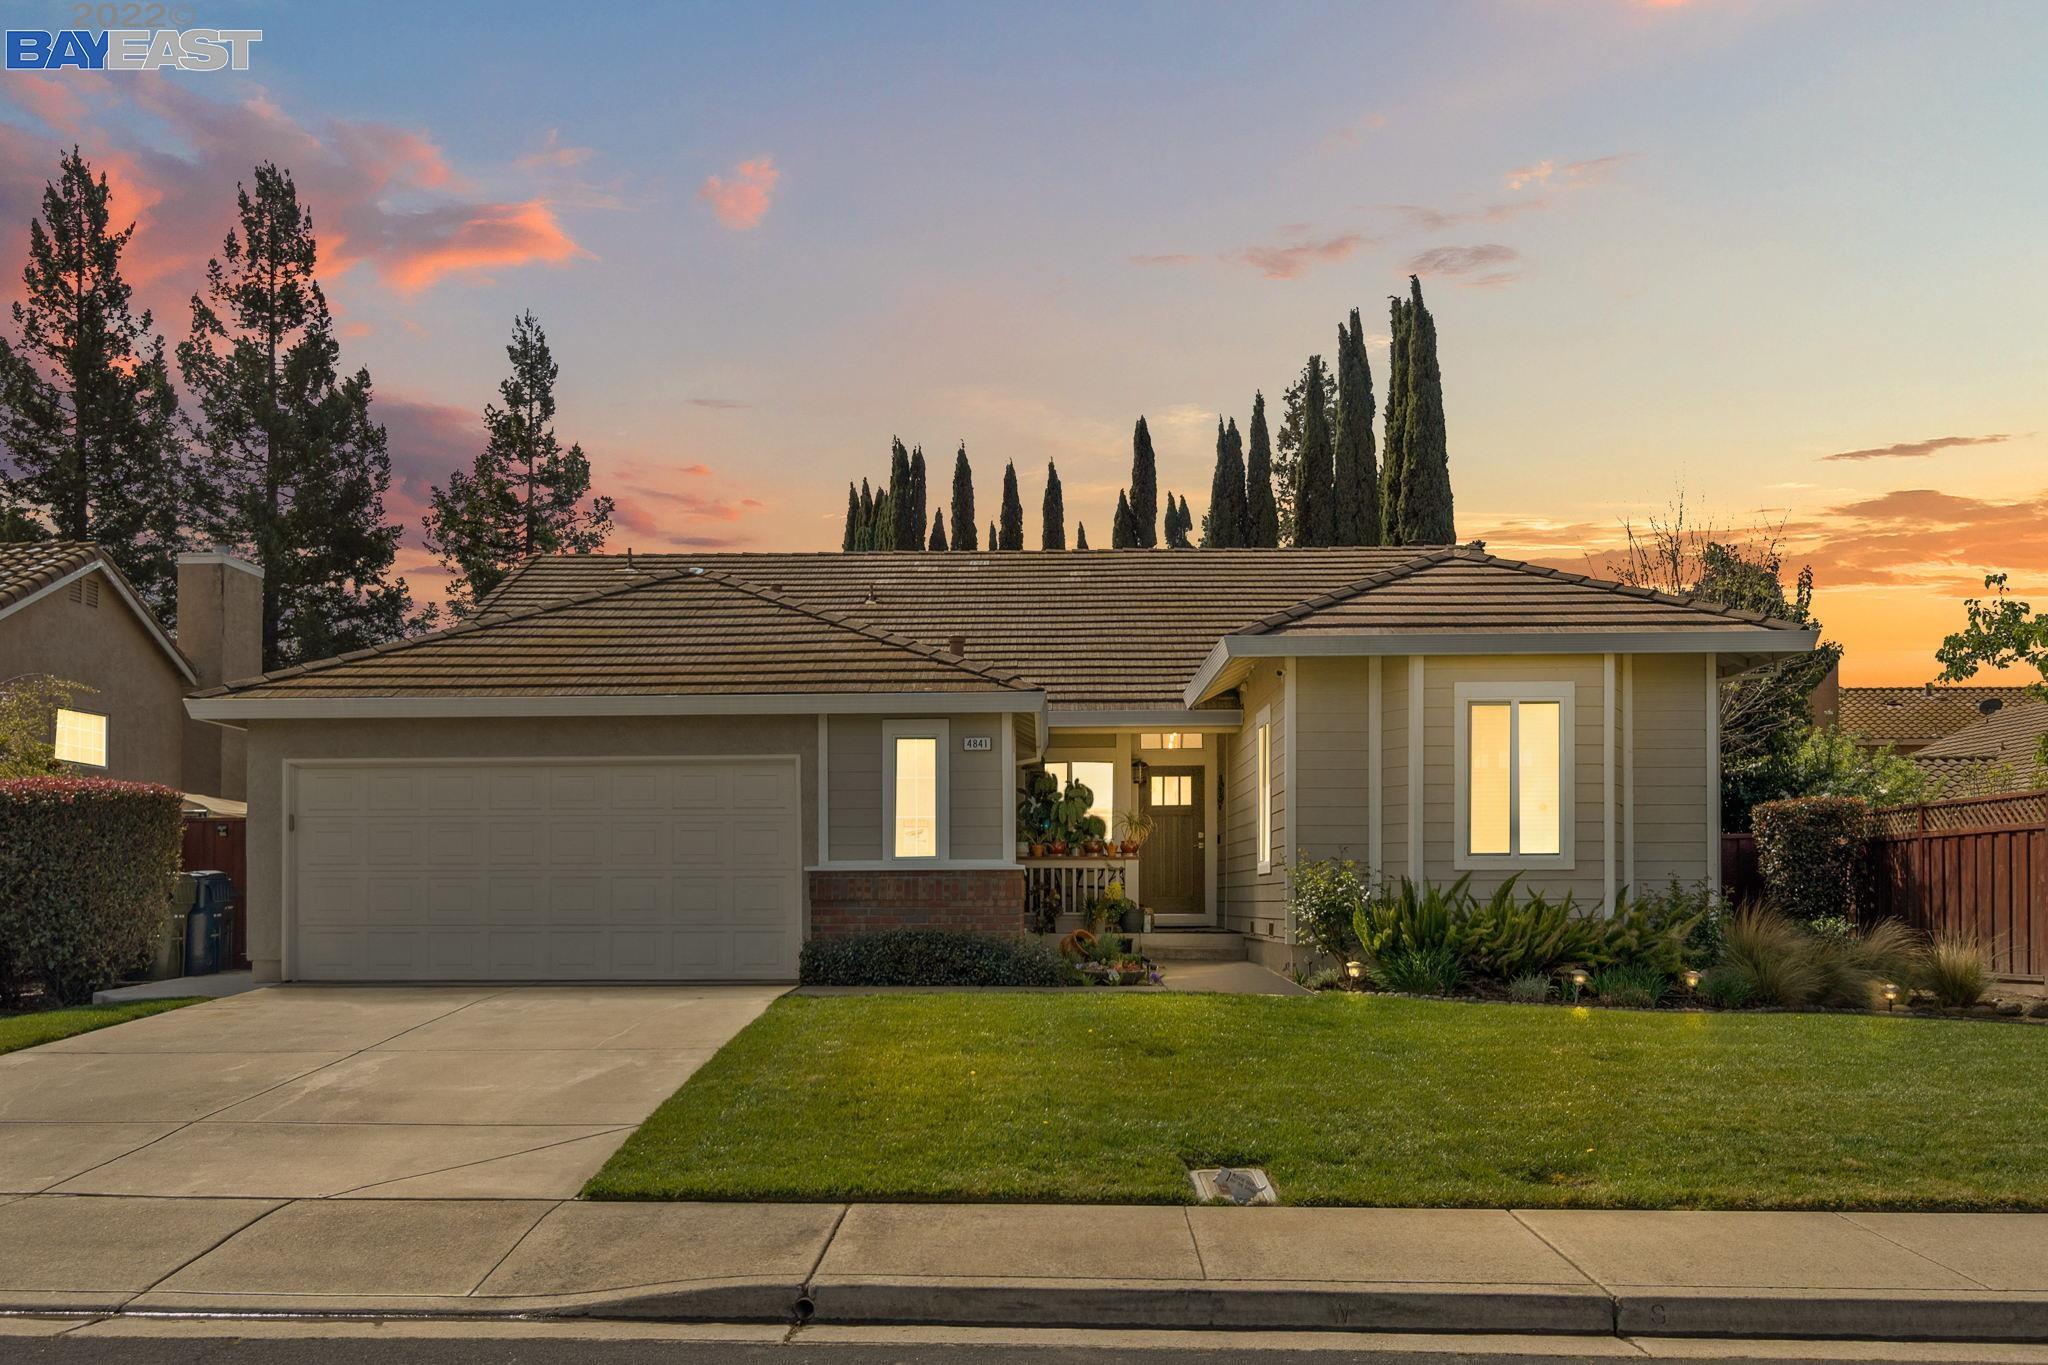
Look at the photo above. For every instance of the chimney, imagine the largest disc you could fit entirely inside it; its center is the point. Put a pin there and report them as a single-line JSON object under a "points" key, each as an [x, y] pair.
{"points": [[956, 645], [220, 630]]}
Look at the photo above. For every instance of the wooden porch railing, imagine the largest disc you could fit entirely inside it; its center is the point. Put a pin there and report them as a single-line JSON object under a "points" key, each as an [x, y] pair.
{"points": [[1064, 886]]}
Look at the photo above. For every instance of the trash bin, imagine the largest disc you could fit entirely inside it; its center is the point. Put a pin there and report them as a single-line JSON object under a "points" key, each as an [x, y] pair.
{"points": [[206, 924], [170, 942]]}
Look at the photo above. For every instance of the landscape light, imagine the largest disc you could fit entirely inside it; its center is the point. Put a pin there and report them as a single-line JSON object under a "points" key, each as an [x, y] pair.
{"points": [[1692, 980], [1578, 976], [1354, 969], [1891, 994]]}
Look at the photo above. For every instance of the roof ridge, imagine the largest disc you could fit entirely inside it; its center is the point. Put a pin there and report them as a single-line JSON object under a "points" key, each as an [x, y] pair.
{"points": [[1309, 606], [1691, 600]]}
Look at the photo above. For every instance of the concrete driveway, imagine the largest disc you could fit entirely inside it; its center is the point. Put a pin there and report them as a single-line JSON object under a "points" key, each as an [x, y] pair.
{"points": [[403, 1092]]}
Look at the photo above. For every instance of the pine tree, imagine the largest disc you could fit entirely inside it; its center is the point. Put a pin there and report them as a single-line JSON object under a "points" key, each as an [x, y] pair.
{"points": [[88, 417], [1357, 471], [292, 470], [1223, 523], [1287, 448], [1012, 511], [525, 495], [1426, 514], [1123, 529], [851, 534], [963, 502], [1262, 516], [1315, 510], [1144, 499], [1081, 535], [917, 500], [901, 533], [1394, 449], [1053, 515], [938, 540]]}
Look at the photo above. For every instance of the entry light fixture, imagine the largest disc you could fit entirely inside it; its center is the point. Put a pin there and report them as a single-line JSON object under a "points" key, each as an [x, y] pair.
{"points": [[1139, 769]]}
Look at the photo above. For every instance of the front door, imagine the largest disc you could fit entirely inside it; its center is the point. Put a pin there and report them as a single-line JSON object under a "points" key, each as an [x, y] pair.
{"points": [[1170, 879]]}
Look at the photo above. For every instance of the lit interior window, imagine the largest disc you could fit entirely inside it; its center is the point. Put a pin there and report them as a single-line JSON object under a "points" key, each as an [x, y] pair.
{"points": [[1170, 739], [917, 797], [1537, 786], [1176, 790], [81, 738], [1098, 778], [1514, 778], [1490, 797], [1265, 796]]}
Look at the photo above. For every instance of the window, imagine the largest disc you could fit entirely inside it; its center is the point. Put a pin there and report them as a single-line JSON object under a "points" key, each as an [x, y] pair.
{"points": [[1170, 739], [1098, 778], [1265, 760], [1514, 775], [82, 738], [914, 780], [1175, 790]]}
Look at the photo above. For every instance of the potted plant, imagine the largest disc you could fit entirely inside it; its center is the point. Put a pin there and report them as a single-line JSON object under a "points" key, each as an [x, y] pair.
{"points": [[1036, 804], [1136, 826]]}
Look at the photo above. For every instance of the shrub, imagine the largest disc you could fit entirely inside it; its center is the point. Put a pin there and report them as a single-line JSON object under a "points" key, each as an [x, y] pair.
{"points": [[1323, 894], [1727, 988], [1508, 936], [1409, 915], [1956, 970], [1767, 952], [1810, 851], [85, 869], [1631, 985], [1432, 970], [930, 957], [1531, 989], [1849, 964]]}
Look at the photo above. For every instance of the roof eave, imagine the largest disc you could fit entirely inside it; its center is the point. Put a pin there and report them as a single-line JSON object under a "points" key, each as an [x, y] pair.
{"points": [[233, 708], [128, 595]]}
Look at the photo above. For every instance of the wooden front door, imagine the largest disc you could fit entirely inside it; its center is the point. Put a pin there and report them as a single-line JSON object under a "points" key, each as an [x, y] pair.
{"points": [[1170, 866]]}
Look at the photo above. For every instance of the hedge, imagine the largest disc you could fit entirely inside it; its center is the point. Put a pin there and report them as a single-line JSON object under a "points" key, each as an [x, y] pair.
{"points": [[930, 957], [1810, 851], [85, 869]]}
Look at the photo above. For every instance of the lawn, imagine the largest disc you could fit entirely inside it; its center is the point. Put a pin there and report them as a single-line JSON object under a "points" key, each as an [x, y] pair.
{"points": [[1350, 1099], [18, 1031]]}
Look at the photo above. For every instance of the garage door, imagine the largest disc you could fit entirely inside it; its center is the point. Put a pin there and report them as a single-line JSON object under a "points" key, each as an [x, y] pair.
{"points": [[566, 871]]}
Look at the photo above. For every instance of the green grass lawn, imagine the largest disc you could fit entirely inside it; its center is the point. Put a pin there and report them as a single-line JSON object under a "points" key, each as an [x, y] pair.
{"points": [[18, 1031], [1350, 1099]]}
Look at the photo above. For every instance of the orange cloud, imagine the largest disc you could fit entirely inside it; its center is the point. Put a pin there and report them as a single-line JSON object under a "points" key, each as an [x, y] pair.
{"points": [[426, 247], [1570, 174], [1912, 450], [1291, 261], [742, 202]]}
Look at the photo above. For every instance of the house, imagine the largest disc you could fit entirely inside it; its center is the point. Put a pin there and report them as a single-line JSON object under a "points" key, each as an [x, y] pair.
{"points": [[671, 766], [67, 612], [1999, 753], [1908, 719]]}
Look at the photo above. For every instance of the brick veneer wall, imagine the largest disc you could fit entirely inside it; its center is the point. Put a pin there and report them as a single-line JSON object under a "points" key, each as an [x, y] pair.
{"points": [[989, 901]]}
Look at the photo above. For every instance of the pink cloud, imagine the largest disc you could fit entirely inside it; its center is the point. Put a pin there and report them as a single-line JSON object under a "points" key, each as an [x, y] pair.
{"points": [[1292, 260], [1489, 263], [426, 247], [1570, 174], [742, 202]]}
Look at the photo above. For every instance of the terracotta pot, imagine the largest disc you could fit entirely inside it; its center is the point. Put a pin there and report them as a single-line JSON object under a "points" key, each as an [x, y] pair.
{"points": [[1059, 848], [1038, 850], [1130, 848]]}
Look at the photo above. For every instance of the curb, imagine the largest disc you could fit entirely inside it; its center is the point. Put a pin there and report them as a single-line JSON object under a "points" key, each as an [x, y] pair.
{"points": [[1901, 1315]]}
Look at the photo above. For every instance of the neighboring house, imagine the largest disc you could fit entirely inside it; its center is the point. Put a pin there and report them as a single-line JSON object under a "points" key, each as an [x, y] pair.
{"points": [[67, 612], [1999, 753], [680, 766], [1908, 719]]}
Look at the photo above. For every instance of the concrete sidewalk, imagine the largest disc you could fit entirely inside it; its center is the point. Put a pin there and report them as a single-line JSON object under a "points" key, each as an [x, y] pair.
{"points": [[1821, 1275]]}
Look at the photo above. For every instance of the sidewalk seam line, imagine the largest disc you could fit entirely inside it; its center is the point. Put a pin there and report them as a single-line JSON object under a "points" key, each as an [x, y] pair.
{"points": [[831, 1236], [480, 1161], [517, 1243], [216, 1245], [1613, 1299], [1188, 1219], [1850, 1219]]}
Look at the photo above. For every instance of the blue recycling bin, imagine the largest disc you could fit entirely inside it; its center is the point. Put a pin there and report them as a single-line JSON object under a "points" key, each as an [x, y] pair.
{"points": [[207, 926]]}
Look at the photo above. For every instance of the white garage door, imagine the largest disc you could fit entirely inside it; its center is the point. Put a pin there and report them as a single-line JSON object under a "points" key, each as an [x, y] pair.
{"points": [[559, 870]]}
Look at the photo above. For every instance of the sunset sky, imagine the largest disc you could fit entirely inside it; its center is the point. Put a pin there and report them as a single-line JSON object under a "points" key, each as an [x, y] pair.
{"points": [[1789, 257]]}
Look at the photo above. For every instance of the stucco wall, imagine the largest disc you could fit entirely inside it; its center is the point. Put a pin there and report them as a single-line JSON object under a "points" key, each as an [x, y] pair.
{"points": [[136, 687]]}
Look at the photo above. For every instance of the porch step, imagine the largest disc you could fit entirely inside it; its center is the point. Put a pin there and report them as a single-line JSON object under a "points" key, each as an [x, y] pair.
{"points": [[1191, 945]]}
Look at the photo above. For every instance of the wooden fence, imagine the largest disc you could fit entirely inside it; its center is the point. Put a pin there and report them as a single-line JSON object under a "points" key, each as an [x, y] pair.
{"points": [[1975, 865], [215, 843]]}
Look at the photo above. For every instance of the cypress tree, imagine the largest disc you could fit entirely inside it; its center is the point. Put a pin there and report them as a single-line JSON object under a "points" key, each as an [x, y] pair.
{"points": [[994, 541], [88, 417], [1144, 499], [1123, 531], [938, 540], [901, 533], [1394, 450], [917, 500], [1262, 517], [1426, 517], [524, 495], [1241, 505], [1081, 535], [1223, 523], [883, 536], [963, 502], [864, 539], [1012, 511], [293, 468], [1315, 511], [1053, 517], [1179, 521], [1357, 471], [852, 532]]}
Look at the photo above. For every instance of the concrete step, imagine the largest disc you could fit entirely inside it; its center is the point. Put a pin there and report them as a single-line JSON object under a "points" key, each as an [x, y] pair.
{"points": [[1191, 945]]}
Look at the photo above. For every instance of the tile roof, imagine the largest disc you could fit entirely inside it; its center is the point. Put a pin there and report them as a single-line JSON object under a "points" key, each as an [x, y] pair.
{"points": [[676, 631], [1457, 590], [29, 566], [2013, 731], [1917, 715]]}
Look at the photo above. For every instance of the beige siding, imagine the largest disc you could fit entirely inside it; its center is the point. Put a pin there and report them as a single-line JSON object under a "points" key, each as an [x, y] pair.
{"points": [[272, 742], [974, 784], [974, 811], [855, 763], [1254, 903], [1671, 769], [1332, 745]]}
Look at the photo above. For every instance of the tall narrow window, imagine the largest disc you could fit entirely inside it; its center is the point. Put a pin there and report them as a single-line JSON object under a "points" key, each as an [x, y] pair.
{"points": [[1514, 767], [914, 780], [81, 738], [1265, 761]]}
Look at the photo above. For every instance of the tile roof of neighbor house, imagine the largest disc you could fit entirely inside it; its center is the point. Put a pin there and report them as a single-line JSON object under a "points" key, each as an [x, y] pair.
{"points": [[646, 636], [1918, 715], [1999, 753], [29, 566]]}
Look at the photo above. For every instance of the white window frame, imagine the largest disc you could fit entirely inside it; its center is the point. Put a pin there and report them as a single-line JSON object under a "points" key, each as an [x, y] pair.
{"points": [[936, 730], [57, 731], [1262, 779], [1464, 695]]}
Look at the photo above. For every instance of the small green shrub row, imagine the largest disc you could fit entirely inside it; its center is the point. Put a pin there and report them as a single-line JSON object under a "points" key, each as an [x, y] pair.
{"points": [[930, 957], [1811, 852], [85, 869]]}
